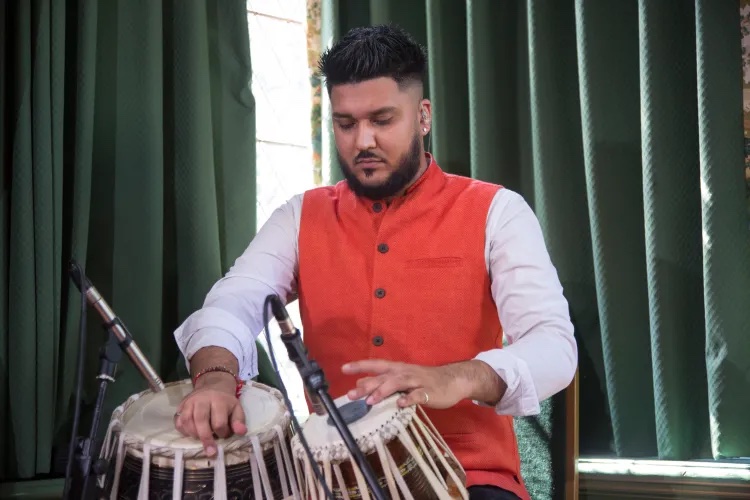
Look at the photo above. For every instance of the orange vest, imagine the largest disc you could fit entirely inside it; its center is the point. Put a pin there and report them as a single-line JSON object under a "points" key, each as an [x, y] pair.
{"points": [[408, 282]]}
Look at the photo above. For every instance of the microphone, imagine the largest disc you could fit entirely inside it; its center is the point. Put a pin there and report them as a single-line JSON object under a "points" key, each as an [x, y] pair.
{"points": [[292, 339], [114, 323]]}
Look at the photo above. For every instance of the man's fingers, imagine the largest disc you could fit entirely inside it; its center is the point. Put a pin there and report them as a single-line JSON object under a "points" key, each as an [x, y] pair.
{"points": [[220, 419], [238, 420], [364, 381], [185, 423], [376, 366], [389, 386], [377, 388], [178, 422], [414, 397], [364, 387], [202, 420]]}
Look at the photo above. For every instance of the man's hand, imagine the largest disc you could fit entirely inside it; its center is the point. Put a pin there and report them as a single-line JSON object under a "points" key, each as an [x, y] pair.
{"points": [[212, 409], [436, 387]]}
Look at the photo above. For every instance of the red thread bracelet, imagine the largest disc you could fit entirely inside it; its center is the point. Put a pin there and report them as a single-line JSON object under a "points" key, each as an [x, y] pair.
{"points": [[238, 381]]}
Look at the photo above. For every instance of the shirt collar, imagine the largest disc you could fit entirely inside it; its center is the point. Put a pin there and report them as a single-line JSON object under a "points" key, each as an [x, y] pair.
{"points": [[429, 174]]}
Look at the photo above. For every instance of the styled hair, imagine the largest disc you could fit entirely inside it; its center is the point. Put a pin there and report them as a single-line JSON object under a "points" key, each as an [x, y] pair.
{"points": [[372, 52]]}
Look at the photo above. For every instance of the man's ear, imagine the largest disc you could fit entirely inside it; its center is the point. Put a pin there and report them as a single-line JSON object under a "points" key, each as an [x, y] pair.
{"points": [[425, 116]]}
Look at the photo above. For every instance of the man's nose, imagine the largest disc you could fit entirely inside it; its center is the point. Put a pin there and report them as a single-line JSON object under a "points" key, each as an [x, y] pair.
{"points": [[365, 137]]}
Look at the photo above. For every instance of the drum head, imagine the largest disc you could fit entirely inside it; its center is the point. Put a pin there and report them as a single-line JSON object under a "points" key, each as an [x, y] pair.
{"points": [[150, 418], [378, 421]]}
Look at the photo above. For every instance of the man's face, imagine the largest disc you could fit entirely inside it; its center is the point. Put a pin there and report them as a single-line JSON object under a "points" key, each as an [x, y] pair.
{"points": [[378, 135]]}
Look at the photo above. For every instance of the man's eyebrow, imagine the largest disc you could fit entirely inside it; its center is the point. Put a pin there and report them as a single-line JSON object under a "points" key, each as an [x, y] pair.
{"points": [[379, 111]]}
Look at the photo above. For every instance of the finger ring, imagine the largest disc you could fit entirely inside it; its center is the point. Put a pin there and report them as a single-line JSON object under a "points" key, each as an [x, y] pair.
{"points": [[426, 397]]}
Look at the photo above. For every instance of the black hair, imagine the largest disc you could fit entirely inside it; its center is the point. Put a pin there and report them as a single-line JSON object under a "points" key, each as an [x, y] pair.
{"points": [[372, 52]]}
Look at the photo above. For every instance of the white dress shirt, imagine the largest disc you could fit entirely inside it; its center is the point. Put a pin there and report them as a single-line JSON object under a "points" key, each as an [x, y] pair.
{"points": [[540, 355]]}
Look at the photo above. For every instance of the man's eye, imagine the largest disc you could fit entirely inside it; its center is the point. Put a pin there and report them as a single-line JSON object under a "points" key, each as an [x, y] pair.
{"points": [[345, 126], [382, 122]]}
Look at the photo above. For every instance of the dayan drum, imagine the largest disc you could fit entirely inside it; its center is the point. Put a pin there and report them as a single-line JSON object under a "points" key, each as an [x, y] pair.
{"points": [[405, 451], [149, 459]]}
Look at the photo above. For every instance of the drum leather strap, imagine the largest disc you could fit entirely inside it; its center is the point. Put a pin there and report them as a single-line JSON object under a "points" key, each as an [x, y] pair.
{"points": [[238, 381]]}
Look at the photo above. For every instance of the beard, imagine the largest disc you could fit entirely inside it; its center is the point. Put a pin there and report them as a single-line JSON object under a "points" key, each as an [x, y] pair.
{"points": [[398, 180]]}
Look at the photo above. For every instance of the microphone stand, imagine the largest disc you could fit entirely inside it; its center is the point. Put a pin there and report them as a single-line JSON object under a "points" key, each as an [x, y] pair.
{"points": [[86, 449], [118, 340], [314, 380]]}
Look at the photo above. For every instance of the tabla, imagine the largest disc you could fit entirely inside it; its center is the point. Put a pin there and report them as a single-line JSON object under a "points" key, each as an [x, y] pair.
{"points": [[405, 451], [149, 459]]}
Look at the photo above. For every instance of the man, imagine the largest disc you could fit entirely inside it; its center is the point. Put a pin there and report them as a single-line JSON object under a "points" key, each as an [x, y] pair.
{"points": [[404, 274]]}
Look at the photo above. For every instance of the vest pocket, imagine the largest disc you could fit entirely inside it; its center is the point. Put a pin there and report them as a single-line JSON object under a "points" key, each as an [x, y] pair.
{"points": [[438, 313]]}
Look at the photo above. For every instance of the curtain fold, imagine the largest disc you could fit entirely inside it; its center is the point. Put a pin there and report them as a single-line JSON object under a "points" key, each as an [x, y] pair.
{"points": [[79, 52], [128, 139], [448, 89], [611, 133], [726, 249], [495, 95], [673, 225], [620, 123]]}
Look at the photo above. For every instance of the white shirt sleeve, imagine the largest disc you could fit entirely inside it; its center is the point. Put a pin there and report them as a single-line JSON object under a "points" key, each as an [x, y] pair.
{"points": [[232, 314], [540, 355]]}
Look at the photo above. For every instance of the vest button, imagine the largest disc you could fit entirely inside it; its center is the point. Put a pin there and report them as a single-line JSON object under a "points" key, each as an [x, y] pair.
{"points": [[383, 248], [377, 340], [380, 293], [377, 207]]}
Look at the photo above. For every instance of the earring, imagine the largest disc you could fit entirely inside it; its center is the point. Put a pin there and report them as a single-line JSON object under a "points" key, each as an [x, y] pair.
{"points": [[424, 130]]}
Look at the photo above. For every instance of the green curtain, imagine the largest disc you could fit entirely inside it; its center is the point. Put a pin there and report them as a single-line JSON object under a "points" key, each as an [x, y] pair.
{"points": [[620, 121], [128, 139]]}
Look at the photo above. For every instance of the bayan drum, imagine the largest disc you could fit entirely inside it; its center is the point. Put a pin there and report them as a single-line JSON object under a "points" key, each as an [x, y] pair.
{"points": [[405, 451], [149, 459]]}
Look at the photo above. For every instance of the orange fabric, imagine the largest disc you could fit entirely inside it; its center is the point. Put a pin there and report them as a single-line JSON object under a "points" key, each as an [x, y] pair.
{"points": [[423, 299]]}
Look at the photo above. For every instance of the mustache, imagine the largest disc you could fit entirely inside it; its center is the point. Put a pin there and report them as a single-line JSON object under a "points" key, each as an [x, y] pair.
{"points": [[366, 155]]}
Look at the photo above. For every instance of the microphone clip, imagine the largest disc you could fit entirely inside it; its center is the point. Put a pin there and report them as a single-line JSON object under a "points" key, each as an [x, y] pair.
{"points": [[110, 355], [311, 373]]}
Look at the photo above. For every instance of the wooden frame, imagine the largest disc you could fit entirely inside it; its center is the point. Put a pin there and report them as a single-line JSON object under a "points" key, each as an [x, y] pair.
{"points": [[626, 487], [571, 440]]}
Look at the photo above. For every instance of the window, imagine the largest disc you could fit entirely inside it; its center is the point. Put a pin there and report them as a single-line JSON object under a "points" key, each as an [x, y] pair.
{"points": [[285, 166]]}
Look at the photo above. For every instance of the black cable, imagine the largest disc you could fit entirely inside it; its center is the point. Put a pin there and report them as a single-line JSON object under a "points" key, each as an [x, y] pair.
{"points": [[79, 395], [288, 403]]}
